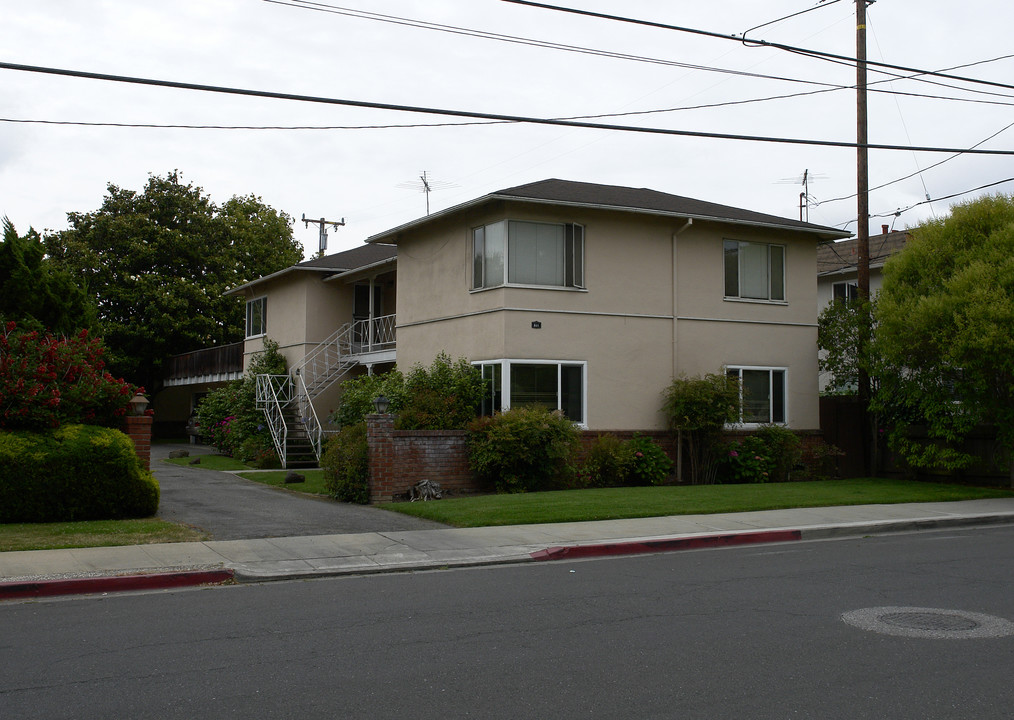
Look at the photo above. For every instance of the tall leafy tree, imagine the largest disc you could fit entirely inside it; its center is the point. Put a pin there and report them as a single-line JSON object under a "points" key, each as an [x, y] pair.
{"points": [[944, 333], [35, 290], [158, 261]]}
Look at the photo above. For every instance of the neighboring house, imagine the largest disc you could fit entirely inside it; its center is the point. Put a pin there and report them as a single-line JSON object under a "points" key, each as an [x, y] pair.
{"points": [[188, 377], [837, 276], [591, 298]]}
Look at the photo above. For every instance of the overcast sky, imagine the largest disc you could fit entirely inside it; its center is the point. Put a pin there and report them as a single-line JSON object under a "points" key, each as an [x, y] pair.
{"points": [[370, 176]]}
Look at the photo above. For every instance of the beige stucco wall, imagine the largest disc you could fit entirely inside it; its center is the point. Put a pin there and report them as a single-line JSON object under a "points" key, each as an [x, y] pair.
{"points": [[625, 323]]}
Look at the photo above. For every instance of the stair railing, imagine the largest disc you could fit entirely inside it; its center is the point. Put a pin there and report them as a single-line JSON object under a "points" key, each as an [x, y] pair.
{"points": [[308, 414], [273, 393]]}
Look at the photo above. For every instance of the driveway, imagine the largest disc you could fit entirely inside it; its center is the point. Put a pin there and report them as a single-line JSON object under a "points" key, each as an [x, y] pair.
{"points": [[232, 508]]}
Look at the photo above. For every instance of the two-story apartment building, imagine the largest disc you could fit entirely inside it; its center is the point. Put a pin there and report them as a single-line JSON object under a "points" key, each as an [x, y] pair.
{"points": [[582, 297], [591, 298]]}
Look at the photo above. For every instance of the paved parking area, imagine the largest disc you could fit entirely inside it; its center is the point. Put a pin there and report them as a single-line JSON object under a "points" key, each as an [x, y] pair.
{"points": [[233, 508]]}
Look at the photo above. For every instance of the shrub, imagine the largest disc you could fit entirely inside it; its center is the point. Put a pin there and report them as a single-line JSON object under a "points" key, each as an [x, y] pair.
{"points": [[445, 396], [783, 448], [75, 472], [358, 394], [523, 449], [46, 381], [608, 463], [649, 464], [746, 461], [698, 409], [346, 465], [229, 418]]}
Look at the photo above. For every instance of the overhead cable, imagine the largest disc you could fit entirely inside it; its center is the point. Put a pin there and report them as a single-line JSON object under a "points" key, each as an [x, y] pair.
{"points": [[475, 114]]}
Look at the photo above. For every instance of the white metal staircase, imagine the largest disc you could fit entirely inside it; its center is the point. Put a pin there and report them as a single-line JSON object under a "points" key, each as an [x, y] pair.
{"points": [[287, 400]]}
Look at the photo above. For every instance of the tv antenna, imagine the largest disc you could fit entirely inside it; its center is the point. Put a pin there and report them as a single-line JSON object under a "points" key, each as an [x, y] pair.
{"points": [[804, 197], [426, 185], [323, 229]]}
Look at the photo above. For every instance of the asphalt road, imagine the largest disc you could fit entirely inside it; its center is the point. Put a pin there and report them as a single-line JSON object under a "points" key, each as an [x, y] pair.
{"points": [[233, 508], [753, 632]]}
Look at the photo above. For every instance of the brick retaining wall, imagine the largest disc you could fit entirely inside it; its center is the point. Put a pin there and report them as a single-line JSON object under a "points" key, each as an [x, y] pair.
{"points": [[399, 459]]}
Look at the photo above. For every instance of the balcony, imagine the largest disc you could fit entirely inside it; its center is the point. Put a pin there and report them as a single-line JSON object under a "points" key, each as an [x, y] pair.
{"points": [[214, 364]]}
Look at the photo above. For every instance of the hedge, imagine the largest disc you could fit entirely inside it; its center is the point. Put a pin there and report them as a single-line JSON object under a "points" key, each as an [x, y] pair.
{"points": [[75, 472]]}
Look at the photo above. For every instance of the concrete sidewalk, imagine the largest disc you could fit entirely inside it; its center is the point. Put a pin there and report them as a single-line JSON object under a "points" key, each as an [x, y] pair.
{"points": [[52, 572]]}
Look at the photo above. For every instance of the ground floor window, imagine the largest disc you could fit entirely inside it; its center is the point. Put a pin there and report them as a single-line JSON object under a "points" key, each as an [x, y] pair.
{"points": [[552, 384], [762, 394]]}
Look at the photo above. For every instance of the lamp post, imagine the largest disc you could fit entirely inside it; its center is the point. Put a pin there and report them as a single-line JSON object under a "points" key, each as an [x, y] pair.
{"points": [[380, 404], [138, 404]]}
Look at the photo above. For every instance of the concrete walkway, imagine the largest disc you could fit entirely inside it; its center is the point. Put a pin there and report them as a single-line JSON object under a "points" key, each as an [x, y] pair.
{"points": [[48, 572]]}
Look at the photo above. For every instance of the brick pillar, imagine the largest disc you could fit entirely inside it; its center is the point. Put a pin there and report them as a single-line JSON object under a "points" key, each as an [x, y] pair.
{"points": [[138, 428], [379, 437]]}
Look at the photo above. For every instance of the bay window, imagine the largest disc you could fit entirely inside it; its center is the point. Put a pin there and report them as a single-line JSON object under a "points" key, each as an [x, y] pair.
{"points": [[516, 252], [553, 385]]}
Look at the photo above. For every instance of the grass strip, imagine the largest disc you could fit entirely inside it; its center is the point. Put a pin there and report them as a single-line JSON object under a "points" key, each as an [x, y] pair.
{"points": [[313, 485], [94, 533], [210, 462], [619, 503]]}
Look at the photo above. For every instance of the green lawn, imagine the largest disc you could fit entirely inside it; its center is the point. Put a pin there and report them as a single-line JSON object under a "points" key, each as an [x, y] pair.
{"points": [[211, 462], [93, 533], [616, 503], [314, 484]]}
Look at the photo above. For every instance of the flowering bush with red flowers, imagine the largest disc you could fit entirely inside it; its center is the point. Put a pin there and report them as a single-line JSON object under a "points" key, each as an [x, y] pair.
{"points": [[746, 461], [47, 381]]}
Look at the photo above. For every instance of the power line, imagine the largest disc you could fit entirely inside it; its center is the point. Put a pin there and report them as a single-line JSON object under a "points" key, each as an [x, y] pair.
{"points": [[475, 114], [470, 32], [763, 43], [917, 172]]}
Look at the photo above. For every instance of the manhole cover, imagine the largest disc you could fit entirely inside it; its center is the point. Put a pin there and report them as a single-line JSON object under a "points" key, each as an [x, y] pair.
{"points": [[929, 623]]}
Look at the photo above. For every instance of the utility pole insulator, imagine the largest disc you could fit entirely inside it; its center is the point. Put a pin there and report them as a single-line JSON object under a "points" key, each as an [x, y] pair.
{"points": [[322, 223]]}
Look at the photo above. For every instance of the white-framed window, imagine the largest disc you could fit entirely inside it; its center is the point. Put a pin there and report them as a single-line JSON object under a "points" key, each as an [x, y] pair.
{"points": [[256, 317], [845, 290], [518, 252], [754, 271], [555, 384], [762, 394]]}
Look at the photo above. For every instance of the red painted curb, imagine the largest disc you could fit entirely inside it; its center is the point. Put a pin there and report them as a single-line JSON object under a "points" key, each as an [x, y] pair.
{"points": [[649, 546], [115, 583]]}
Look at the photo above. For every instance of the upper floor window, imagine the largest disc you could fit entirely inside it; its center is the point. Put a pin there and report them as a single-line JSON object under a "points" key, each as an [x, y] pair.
{"points": [[256, 317], [518, 252], [754, 271], [845, 291]]}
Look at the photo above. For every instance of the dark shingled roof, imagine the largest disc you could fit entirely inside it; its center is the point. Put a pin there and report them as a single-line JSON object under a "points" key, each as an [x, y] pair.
{"points": [[351, 259], [614, 197], [838, 256], [345, 261]]}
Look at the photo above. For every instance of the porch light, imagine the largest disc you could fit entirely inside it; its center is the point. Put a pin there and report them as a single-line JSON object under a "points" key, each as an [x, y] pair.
{"points": [[138, 404], [380, 404]]}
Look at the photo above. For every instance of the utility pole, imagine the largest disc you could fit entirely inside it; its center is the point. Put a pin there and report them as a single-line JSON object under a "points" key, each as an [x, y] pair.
{"points": [[863, 238], [323, 230]]}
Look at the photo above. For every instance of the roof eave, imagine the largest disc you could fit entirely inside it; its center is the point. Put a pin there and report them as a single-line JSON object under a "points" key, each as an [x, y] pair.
{"points": [[372, 266], [246, 286], [823, 233]]}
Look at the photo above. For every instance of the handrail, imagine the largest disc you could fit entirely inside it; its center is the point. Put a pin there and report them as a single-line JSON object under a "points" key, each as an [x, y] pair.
{"points": [[332, 358], [314, 430], [269, 390]]}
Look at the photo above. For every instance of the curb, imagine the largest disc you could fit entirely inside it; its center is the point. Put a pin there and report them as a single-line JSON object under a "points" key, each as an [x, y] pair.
{"points": [[639, 547], [115, 583]]}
